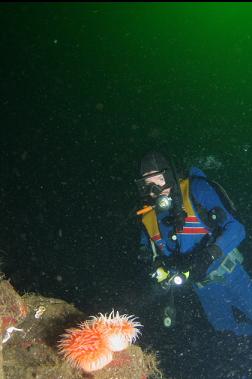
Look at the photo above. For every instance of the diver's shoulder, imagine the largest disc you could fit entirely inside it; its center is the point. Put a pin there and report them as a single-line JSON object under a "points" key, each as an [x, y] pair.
{"points": [[196, 173]]}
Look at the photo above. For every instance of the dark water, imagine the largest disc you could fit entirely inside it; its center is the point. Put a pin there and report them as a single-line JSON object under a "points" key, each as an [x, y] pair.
{"points": [[86, 90]]}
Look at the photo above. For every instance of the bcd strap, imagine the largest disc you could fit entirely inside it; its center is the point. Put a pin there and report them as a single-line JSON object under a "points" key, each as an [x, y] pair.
{"points": [[149, 220], [185, 190], [149, 217]]}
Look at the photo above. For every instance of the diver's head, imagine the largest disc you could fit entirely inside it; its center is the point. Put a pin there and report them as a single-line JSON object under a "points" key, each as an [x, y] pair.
{"points": [[153, 161], [155, 184], [159, 186], [157, 180]]}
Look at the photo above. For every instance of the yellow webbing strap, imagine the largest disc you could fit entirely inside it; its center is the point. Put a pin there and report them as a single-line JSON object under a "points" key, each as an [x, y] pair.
{"points": [[149, 220], [149, 217], [184, 186]]}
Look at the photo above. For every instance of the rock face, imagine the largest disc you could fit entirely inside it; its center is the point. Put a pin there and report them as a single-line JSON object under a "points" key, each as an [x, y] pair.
{"points": [[30, 348]]}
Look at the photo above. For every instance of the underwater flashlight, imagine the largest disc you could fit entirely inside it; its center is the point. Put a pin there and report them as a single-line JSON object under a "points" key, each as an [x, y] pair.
{"points": [[179, 278]]}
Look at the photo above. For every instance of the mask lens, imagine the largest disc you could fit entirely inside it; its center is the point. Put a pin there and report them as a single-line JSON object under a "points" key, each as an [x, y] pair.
{"points": [[145, 189], [155, 189]]}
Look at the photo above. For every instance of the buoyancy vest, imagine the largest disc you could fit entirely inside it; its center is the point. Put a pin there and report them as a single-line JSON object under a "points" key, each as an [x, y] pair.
{"points": [[192, 226]]}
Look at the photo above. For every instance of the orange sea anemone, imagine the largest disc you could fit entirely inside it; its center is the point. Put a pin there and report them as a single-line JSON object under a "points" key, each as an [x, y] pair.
{"points": [[85, 348], [118, 331], [90, 347]]}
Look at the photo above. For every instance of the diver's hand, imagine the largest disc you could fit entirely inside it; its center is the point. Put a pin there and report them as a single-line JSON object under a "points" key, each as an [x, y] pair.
{"points": [[201, 261], [158, 262], [183, 262], [158, 268], [159, 274]]}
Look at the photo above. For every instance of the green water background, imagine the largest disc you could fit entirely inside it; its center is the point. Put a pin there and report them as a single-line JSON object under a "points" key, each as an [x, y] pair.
{"points": [[87, 89]]}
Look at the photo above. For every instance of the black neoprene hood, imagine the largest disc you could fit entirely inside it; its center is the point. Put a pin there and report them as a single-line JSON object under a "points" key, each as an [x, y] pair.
{"points": [[153, 161]]}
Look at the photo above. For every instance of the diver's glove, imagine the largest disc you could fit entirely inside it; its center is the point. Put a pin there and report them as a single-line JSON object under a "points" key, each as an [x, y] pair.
{"points": [[160, 274], [158, 269], [158, 262], [202, 259], [182, 262]]}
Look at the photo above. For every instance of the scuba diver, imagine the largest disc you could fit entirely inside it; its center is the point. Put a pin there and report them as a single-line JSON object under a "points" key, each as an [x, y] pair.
{"points": [[190, 235]]}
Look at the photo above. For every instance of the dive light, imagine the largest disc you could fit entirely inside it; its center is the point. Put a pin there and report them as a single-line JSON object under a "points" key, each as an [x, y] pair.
{"points": [[180, 278], [168, 279]]}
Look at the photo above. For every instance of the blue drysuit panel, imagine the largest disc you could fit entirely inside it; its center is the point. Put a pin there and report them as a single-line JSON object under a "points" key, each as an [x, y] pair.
{"points": [[218, 300]]}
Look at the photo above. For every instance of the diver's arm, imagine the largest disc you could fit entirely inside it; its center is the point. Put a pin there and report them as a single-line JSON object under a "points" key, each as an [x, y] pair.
{"points": [[232, 231]]}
